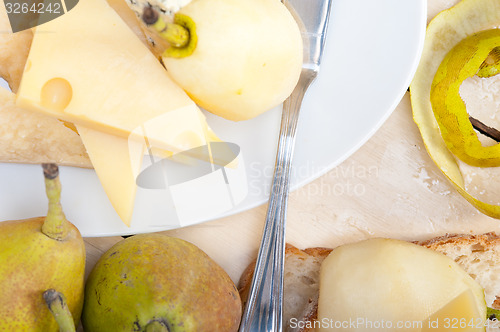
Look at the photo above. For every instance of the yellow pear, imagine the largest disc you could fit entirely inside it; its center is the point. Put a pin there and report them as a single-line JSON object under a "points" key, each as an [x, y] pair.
{"points": [[246, 59], [36, 255]]}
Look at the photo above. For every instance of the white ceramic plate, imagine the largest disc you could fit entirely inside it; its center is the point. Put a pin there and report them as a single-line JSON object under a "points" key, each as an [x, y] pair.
{"points": [[372, 51]]}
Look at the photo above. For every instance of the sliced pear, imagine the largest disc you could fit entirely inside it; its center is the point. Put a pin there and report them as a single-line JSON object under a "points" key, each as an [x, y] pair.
{"points": [[392, 284]]}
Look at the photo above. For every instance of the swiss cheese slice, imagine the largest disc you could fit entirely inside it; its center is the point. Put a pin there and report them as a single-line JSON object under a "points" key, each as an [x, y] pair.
{"points": [[87, 67]]}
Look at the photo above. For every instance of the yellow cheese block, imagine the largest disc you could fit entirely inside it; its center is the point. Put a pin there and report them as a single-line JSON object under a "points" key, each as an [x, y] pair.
{"points": [[87, 67], [97, 74]]}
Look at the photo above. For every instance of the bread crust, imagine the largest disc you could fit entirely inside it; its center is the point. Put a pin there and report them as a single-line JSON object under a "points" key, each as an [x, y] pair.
{"points": [[487, 240]]}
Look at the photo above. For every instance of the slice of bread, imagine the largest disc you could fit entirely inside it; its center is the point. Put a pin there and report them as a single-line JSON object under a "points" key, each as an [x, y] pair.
{"points": [[478, 255], [301, 284]]}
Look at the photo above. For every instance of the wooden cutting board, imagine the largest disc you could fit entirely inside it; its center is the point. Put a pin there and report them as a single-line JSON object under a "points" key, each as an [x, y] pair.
{"points": [[388, 188]]}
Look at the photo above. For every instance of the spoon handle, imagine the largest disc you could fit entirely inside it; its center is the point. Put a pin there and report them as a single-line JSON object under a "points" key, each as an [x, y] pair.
{"points": [[264, 308]]}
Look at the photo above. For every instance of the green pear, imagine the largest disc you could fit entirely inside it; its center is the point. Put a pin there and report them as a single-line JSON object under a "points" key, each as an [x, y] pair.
{"points": [[244, 57], [36, 255], [155, 282]]}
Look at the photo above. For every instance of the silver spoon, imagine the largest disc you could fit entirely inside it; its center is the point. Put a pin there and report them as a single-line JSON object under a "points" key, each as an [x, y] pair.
{"points": [[264, 308]]}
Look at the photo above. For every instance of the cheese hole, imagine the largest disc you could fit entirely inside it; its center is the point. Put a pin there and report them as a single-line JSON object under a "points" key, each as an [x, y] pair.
{"points": [[56, 94], [188, 140]]}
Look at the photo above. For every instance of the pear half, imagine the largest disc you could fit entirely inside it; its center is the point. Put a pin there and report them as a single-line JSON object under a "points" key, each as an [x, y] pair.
{"points": [[387, 284]]}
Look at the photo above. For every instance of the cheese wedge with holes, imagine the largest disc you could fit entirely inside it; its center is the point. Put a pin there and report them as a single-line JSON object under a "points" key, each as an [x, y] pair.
{"points": [[87, 67]]}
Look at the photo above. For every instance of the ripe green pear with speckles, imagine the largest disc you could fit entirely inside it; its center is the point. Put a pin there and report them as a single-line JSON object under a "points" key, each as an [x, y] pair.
{"points": [[36, 255], [156, 282]]}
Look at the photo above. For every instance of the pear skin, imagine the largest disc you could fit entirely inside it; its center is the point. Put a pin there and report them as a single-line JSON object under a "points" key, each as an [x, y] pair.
{"points": [[161, 281], [31, 263]]}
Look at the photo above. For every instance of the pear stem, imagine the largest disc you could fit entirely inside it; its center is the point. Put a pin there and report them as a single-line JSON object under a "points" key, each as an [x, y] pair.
{"points": [[59, 309], [55, 225], [156, 326], [175, 34], [490, 132]]}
